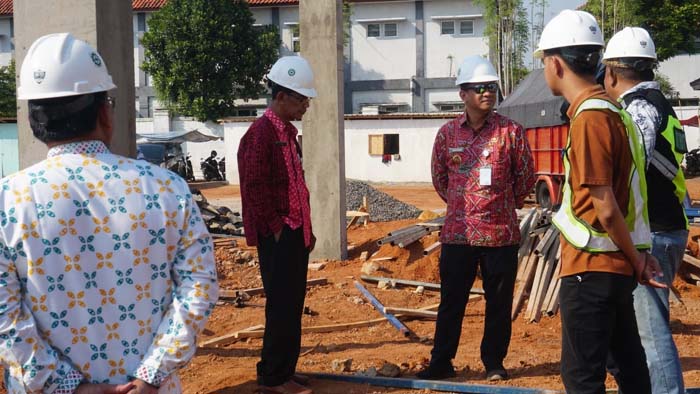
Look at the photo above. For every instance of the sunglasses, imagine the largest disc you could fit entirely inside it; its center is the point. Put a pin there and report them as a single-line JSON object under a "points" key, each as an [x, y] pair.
{"points": [[484, 87]]}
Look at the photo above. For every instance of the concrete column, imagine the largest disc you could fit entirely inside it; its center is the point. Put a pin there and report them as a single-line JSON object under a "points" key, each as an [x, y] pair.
{"points": [[321, 37], [107, 25]]}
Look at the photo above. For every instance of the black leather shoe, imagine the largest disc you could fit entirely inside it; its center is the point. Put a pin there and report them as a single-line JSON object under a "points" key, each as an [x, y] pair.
{"points": [[433, 373]]}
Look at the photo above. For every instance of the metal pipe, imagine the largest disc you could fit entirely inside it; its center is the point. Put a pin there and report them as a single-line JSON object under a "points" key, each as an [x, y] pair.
{"points": [[379, 307], [430, 249]]}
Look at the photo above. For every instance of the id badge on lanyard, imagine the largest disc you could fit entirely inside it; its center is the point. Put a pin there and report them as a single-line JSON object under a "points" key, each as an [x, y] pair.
{"points": [[485, 171]]}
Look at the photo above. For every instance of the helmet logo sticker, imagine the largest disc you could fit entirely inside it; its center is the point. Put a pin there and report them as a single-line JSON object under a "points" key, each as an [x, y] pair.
{"points": [[593, 29], [291, 72], [643, 44], [39, 76], [96, 59]]}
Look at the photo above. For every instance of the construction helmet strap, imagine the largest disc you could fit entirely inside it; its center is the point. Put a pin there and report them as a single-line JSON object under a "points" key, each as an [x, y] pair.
{"points": [[638, 64], [588, 60]]}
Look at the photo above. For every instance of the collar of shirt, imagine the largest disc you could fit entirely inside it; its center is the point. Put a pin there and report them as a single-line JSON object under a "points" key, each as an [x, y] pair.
{"points": [[91, 147], [488, 122], [594, 90], [280, 125], [641, 86]]}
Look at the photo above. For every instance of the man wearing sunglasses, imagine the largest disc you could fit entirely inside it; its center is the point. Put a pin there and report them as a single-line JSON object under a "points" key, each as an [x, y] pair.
{"points": [[482, 167], [277, 219]]}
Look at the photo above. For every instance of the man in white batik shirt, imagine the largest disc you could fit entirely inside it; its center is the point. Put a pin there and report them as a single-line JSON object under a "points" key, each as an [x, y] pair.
{"points": [[107, 271]]}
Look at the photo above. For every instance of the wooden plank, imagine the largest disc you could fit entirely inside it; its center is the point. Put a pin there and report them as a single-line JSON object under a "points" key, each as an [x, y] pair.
{"points": [[410, 312], [405, 282], [535, 288], [380, 308], [525, 283], [226, 339], [554, 301], [691, 260], [430, 249], [223, 293], [378, 259], [555, 277], [356, 213], [545, 283], [351, 222]]}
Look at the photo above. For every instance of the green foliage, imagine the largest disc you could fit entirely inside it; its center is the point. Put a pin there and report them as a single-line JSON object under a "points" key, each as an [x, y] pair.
{"points": [[673, 24], [508, 33], [204, 54], [665, 85], [8, 91]]}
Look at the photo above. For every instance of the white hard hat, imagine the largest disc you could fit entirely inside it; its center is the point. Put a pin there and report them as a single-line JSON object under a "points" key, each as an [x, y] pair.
{"points": [[476, 69], [568, 29], [630, 42], [59, 65], [293, 72]]}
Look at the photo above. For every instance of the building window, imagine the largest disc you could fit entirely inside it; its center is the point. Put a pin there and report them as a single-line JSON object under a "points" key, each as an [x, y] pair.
{"points": [[451, 107], [447, 27], [247, 112], [150, 106], [373, 30], [141, 21], [383, 144], [391, 30], [296, 44], [466, 27]]}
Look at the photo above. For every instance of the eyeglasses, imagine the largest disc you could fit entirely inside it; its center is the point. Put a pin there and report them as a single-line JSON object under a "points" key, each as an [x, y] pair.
{"points": [[484, 87]]}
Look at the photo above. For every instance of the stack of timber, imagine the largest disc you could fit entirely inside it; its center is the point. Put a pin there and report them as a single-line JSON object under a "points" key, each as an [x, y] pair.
{"points": [[690, 269], [539, 259], [219, 220], [407, 235], [692, 163]]}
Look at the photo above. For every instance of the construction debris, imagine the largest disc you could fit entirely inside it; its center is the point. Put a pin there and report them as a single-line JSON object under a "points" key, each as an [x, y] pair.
{"points": [[382, 207], [219, 220], [407, 235]]}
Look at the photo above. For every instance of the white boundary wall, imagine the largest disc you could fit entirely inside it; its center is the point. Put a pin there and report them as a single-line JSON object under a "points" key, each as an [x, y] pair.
{"points": [[416, 137]]}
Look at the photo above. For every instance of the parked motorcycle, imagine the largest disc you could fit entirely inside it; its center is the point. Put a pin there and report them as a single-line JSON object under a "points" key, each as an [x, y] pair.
{"points": [[179, 164], [222, 168], [210, 168]]}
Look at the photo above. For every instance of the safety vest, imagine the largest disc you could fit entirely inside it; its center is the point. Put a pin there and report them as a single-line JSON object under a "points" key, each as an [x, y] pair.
{"points": [[665, 180], [581, 234]]}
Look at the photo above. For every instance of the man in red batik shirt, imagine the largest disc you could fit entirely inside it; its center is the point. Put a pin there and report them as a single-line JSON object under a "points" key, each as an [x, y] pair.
{"points": [[482, 167], [277, 219]]}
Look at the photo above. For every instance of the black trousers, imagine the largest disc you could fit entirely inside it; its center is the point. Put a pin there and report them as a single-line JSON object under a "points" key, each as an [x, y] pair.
{"points": [[458, 266], [283, 266], [597, 318]]}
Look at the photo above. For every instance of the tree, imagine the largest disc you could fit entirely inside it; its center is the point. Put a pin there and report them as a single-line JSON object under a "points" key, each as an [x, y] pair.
{"points": [[8, 91], [507, 31], [204, 54], [673, 24]]}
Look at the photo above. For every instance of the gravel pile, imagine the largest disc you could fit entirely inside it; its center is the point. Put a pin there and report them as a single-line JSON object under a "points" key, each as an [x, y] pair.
{"points": [[382, 207]]}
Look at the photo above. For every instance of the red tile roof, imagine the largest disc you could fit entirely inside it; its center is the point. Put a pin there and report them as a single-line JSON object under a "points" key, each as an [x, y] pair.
{"points": [[5, 7], [258, 3], [143, 5]]}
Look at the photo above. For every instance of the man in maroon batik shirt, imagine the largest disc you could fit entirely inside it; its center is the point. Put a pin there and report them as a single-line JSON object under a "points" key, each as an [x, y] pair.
{"points": [[482, 167], [277, 219]]}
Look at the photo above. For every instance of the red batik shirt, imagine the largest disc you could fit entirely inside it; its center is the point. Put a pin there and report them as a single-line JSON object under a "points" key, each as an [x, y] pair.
{"points": [[272, 195], [482, 215]]}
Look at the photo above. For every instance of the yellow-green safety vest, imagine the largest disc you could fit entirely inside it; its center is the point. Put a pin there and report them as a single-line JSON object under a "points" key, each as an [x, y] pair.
{"points": [[581, 234]]}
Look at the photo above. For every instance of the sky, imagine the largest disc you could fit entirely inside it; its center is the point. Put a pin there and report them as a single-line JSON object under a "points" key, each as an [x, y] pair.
{"points": [[554, 7]]}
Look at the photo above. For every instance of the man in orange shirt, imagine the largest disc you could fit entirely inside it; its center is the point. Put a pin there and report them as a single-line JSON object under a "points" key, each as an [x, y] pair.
{"points": [[603, 218]]}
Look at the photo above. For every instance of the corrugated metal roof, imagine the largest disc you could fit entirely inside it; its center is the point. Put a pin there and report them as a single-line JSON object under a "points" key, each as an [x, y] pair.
{"points": [[148, 4], [5, 7]]}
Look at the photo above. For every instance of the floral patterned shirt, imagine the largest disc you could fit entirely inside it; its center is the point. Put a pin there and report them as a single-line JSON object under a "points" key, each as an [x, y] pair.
{"points": [[483, 176], [106, 272]]}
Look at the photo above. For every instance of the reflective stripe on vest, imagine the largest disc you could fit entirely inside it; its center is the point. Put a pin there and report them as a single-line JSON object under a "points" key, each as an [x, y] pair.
{"points": [[677, 176], [581, 234]]}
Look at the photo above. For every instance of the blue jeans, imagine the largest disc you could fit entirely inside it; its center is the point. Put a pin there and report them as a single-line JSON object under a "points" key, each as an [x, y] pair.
{"points": [[652, 311]]}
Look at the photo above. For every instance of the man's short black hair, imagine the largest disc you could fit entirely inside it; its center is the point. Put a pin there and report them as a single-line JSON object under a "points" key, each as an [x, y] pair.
{"points": [[65, 118], [277, 89], [582, 60], [633, 69]]}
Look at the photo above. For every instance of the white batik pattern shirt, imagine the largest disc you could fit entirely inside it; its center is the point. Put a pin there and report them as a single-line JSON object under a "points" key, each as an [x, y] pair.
{"points": [[645, 115], [106, 272]]}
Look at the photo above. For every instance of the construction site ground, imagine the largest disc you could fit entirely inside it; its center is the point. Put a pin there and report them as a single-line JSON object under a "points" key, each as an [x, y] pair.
{"points": [[533, 358]]}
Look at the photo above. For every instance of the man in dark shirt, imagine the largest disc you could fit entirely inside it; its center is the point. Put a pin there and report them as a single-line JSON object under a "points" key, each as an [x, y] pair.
{"points": [[277, 219]]}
